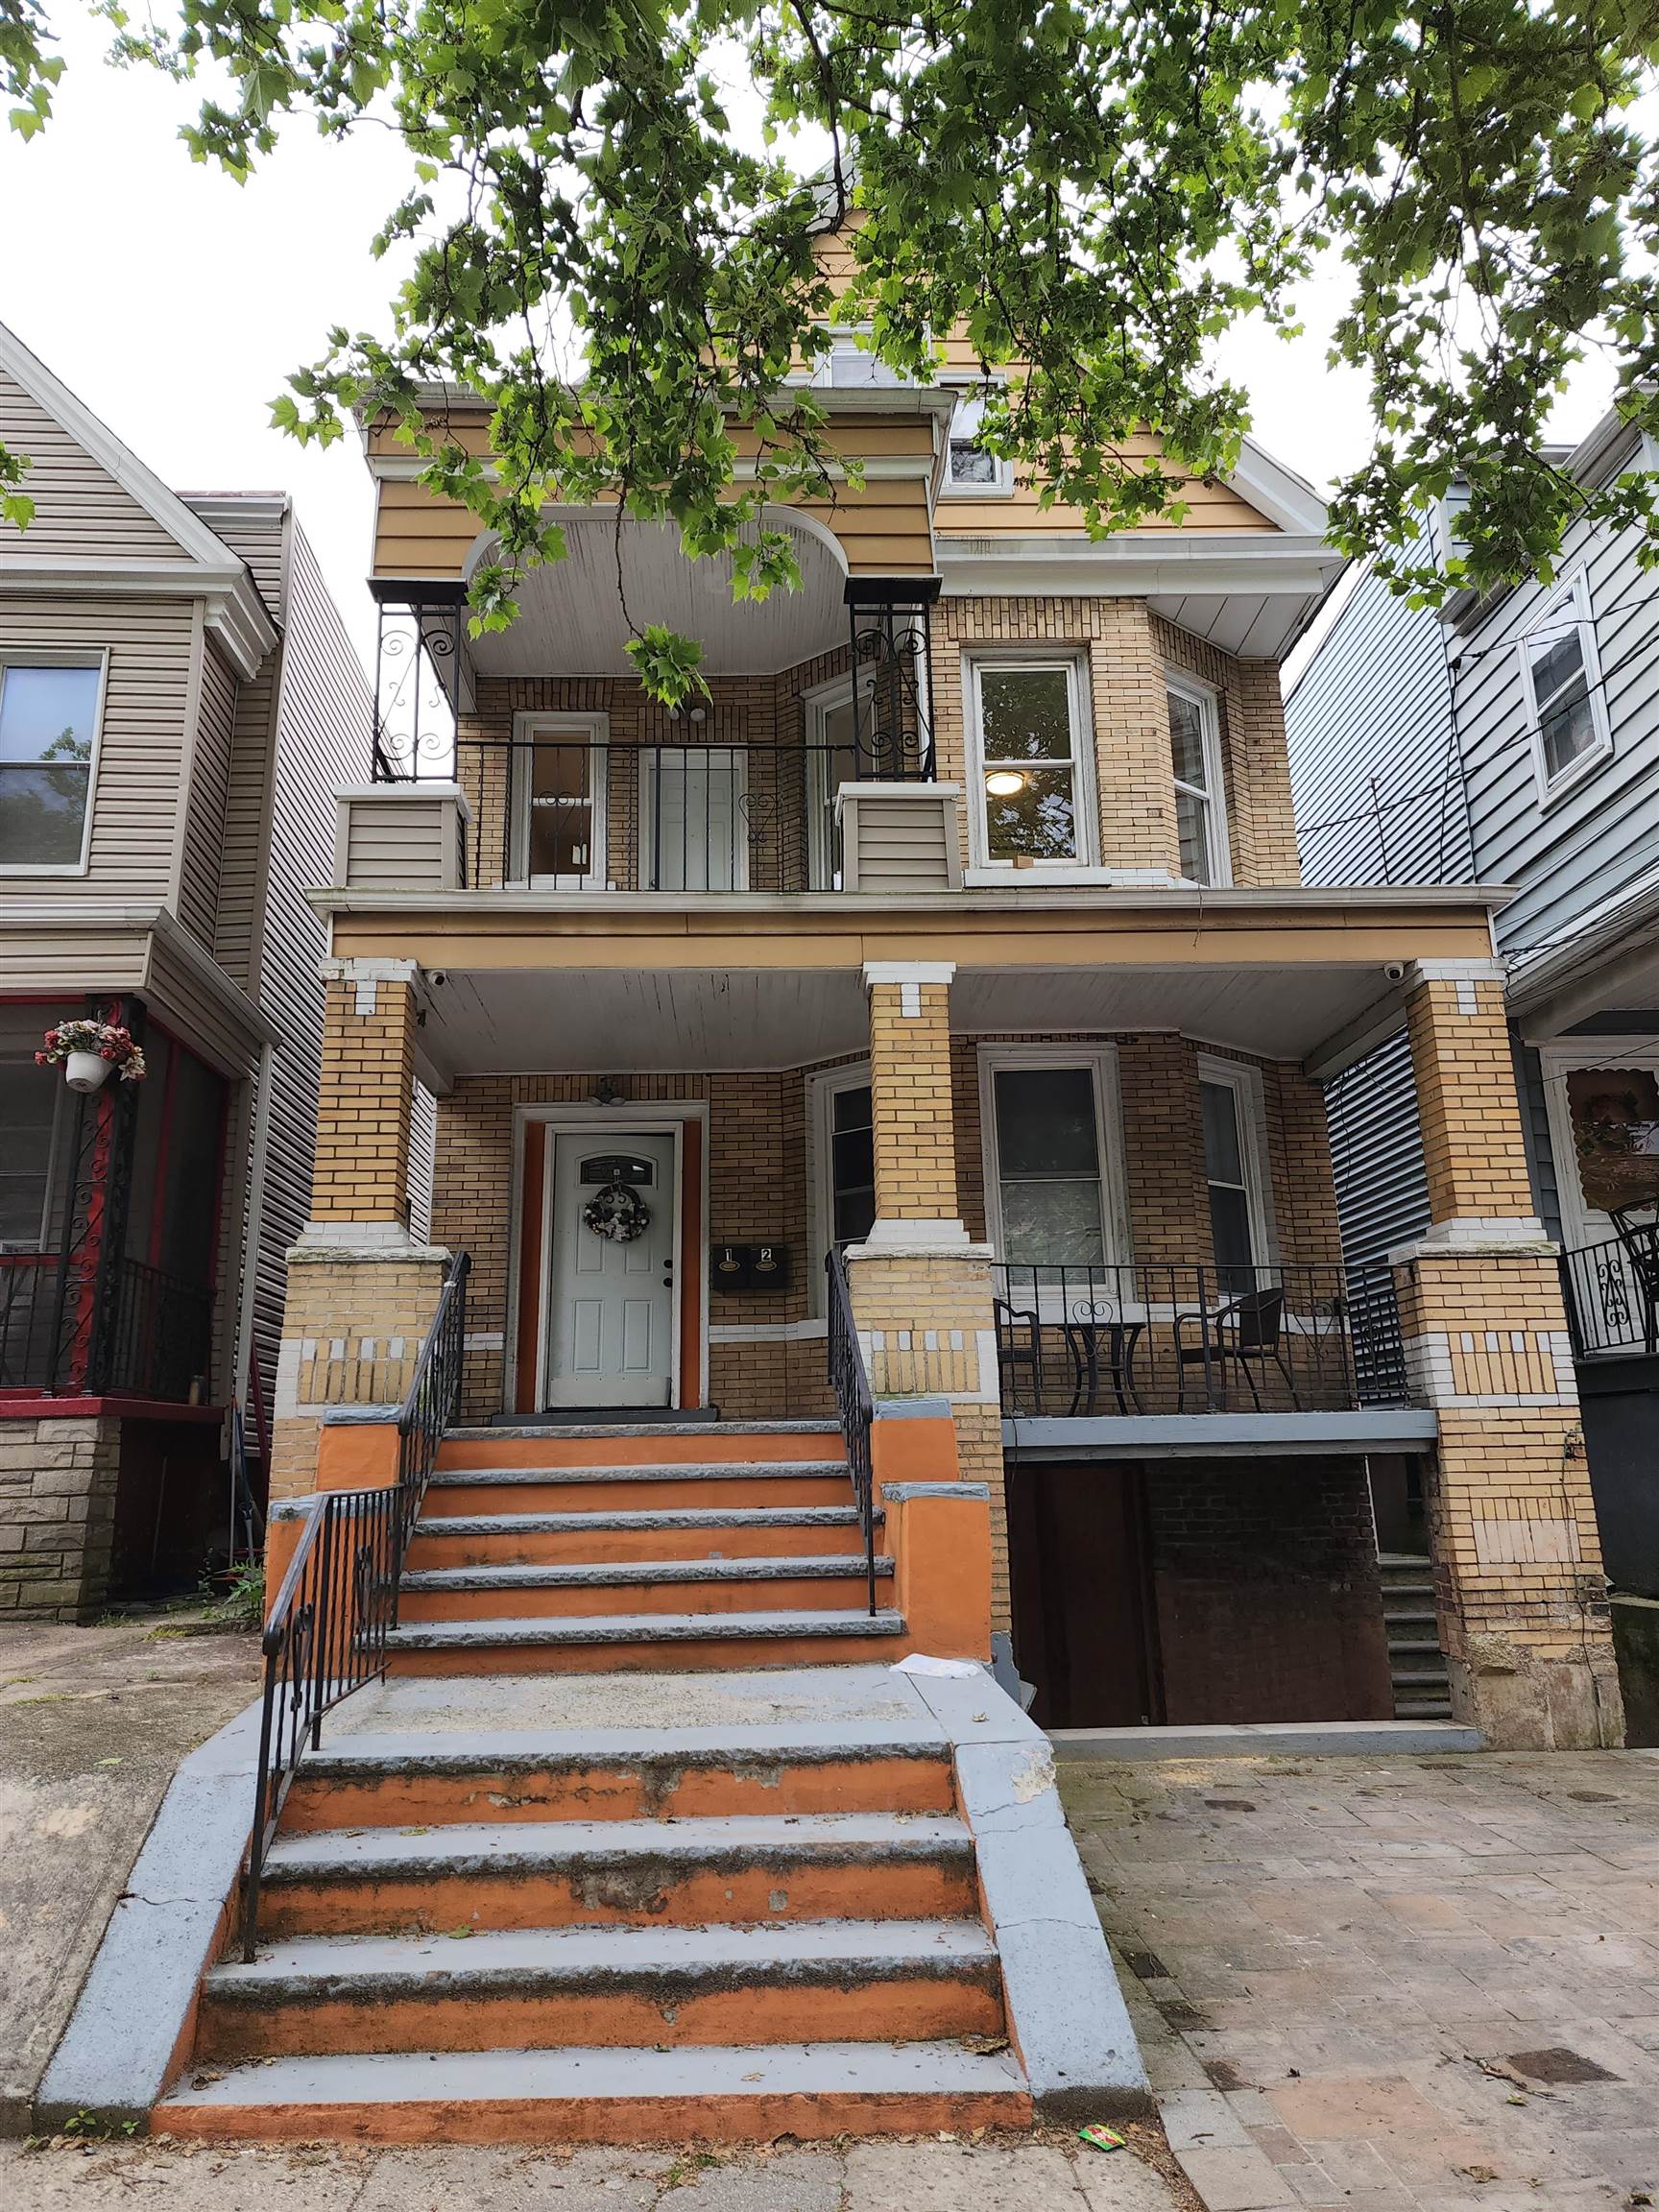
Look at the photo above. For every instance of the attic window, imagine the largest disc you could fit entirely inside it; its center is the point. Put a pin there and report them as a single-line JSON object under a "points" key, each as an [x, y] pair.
{"points": [[974, 472], [1562, 681]]}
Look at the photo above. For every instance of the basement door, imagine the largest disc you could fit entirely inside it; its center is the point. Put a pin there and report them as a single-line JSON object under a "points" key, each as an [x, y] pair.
{"points": [[610, 1304]]}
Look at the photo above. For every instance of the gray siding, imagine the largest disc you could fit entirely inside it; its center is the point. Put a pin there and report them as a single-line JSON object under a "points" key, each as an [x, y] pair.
{"points": [[147, 707], [1373, 756], [1377, 1154], [79, 509], [207, 793]]}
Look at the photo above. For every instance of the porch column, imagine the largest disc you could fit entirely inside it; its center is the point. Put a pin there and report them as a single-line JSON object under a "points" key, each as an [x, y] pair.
{"points": [[361, 1291], [1519, 1586], [920, 1291]]}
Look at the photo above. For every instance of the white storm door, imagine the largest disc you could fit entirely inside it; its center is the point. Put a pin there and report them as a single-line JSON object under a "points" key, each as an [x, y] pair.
{"points": [[611, 1306]]}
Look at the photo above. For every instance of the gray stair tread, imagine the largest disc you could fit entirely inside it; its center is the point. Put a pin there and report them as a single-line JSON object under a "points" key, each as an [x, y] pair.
{"points": [[778, 1951], [582, 1573], [655, 1471], [669, 1517], [640, 1628], [637, 2075], [1430, 1679], [462, 1846], [520, 1750], [827, 1427]]}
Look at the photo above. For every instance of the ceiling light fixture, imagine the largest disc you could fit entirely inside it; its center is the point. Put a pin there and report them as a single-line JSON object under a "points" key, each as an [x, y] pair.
{"points": [[1005, 783]]}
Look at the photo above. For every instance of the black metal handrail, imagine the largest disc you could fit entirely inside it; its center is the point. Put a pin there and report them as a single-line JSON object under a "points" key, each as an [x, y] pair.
{"points": [[326, 1632], [1188, 1336], [850, 1383], [150, 1337], [1612, 1298]]}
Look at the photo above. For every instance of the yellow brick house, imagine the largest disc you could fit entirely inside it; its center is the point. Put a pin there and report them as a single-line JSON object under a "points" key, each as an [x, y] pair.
{"points": [[952, 951]]}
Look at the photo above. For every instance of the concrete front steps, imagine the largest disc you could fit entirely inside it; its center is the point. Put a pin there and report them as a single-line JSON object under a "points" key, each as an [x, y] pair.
{"points": [[726, 1931], [578, 1549], [1416, 1663]]}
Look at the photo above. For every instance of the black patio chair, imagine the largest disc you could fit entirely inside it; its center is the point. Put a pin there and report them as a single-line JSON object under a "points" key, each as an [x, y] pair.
{"points": [[1018, 1347], [1639, 1242], [1246, 1333]]}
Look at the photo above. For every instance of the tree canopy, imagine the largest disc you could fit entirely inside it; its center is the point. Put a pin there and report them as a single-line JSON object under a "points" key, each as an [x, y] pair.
{"points": [[1096, 192]]}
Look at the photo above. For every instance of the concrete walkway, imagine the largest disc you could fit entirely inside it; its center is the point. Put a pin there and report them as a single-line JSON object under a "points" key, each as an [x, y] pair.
{"points": [[1386, 1984], [946, 2176], [92, 1723]]}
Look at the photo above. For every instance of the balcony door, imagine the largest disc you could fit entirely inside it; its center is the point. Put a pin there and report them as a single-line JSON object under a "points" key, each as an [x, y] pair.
{"points": [[611, 1233], [558, 787], [696, 818]]}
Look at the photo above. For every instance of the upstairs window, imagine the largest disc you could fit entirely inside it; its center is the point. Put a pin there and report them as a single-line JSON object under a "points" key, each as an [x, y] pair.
{"points": [[1562, 681], [48, 743], [1032, 771], [850, 364], [1195, 758], [973, 471]]}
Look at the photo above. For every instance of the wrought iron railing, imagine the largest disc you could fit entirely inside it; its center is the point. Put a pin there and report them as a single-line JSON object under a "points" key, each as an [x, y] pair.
{"points": [[1155, 1336], [697, 815], [326, 1632], [1612, 1298], [151, 1336], [850, 1383]]}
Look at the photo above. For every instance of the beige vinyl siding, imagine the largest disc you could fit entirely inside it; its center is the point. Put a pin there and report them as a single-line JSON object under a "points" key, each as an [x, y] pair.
{"points": [[398, 846], [180, 995], [202, 862], [147, 705], [70, 962], [79, 509]]}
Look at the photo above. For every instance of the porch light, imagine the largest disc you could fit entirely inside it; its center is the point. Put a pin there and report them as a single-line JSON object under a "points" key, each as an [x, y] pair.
{"points": [[1005, 783]]}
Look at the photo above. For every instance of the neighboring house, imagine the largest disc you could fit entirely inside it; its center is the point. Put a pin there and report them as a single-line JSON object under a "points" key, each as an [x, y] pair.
{"points": [[177, 701], [1515, 740], [952, 949]]}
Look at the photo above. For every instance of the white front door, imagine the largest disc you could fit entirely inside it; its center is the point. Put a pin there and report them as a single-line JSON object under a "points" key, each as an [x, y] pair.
{"points": [[610, 1301]]}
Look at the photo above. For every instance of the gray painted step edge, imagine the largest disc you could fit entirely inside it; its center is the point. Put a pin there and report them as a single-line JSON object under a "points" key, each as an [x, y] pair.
{"points": [[668, 1517], [653, 1959], [603, 1573], [640, 1628], [534, 1431], [633, 2075], [663, 1471], [508, 1847], [528, 1751]]}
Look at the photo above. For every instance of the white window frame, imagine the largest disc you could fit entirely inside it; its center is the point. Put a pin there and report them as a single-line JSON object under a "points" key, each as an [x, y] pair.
{"points": [[823, 372], [822, 1087], [1218, 837], [1101, 1061], [1086, 812], [1251, 1106], [1002, 484], [817, 705], [1569, 600], [592, 729], [66, 656]]}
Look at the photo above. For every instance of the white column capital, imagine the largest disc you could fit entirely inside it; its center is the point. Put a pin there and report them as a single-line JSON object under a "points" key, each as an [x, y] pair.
{"points": [[907, 971]]}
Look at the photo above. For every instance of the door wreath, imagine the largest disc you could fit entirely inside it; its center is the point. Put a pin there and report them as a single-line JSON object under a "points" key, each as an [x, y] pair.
{"points": [[617, 1213]]}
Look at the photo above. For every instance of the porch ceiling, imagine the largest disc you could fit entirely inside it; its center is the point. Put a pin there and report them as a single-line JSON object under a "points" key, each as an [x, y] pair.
{"points": [[571, 620], [618, 1020]]}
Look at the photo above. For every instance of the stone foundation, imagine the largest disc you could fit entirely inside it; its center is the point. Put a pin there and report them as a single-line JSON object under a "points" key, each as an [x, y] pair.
{"points": [[58, 1484]]}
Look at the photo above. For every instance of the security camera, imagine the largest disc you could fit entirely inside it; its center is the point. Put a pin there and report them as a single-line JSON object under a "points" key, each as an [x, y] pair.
{"points": [[439, 977], [1394, 971]]}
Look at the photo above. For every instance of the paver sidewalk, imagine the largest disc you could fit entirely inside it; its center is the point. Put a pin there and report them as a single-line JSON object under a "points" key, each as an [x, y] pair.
{"points": [[1380, 1984], [945, 2176]]}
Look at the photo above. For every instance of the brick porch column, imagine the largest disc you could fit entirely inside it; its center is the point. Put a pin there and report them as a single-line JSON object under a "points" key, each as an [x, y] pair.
{"points": [[1518, 1585], [920, 1291], [361, 1292]]}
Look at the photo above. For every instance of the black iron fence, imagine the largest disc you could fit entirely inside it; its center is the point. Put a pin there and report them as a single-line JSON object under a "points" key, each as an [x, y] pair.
{"points": [[1612, 1295], [60, 1331], [1156, 1337], [850, 1383], [326, 1632]]}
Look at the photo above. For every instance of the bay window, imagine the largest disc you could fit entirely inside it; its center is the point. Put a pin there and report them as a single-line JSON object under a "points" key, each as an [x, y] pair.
{"points": [[1195, 758], [1031, 780]]}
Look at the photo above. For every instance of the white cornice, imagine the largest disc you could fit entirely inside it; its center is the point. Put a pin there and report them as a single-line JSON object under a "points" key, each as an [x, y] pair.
{"points": [[1139, 564]]}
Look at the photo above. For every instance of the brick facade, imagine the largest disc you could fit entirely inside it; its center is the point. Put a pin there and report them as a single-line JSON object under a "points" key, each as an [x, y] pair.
{"points": [[365, 1101]]}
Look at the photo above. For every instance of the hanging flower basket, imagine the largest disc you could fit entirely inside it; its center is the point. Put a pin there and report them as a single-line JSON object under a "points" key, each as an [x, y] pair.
{"points": [[88, 1052], [617, 1214]]}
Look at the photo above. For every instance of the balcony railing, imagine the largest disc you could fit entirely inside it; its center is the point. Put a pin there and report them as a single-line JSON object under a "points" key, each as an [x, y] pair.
{"points": [[575, 815], [1190, 1337], [1612, 1295], [155, 1343]]}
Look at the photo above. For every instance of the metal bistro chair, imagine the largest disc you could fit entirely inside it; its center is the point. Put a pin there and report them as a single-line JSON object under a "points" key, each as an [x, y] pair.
{"points": [[1248, 1332], [1639, 1242], [1019, 1346]]}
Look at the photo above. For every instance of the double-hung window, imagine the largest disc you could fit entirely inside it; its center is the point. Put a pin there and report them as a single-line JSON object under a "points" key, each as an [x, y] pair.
{"points": [[1195, 758], [558, 780], [1053, 1184], [849, 364], [972, 471], [1230, 1099], [49, 715], [1032, 781], [1562, 681]]}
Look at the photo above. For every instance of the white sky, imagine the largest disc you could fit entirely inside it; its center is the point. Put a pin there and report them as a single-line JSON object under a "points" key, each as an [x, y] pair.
{"points": [[174, 302]]}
